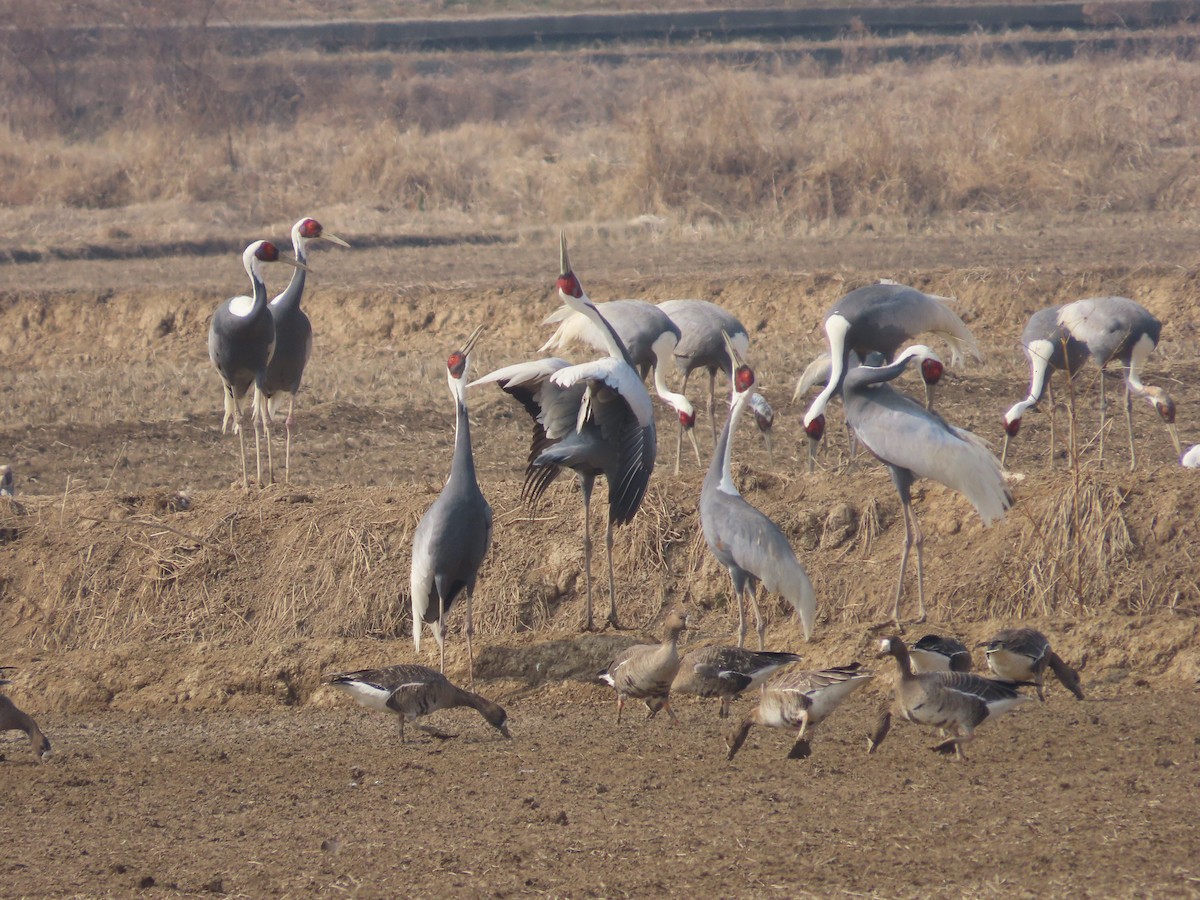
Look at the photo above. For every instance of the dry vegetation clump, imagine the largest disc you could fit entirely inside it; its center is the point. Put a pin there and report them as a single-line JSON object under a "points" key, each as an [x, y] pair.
{"points": [[514, 142]]}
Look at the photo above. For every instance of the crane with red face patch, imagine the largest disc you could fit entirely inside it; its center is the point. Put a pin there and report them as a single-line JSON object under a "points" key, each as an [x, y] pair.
{"points": [[594, 418], [293, 334], [914, 442], [746, 542], [1117, 328], [453, 537], [882, 318], [241, 338]]}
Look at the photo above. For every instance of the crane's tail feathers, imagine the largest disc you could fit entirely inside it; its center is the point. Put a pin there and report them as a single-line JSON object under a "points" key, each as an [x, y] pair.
{"points": [[961, 345], [793, 583], [978, 475]]}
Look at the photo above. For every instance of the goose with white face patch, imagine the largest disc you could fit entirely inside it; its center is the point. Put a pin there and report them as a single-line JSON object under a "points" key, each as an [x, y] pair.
{"points": [[956, 702], [454, 535], [241, 338], [1117, 328], [293, 333], [1050, 348], [593, 418], [882, 318], [748, 544], [411, 692], [800, 700], [913, 443]]}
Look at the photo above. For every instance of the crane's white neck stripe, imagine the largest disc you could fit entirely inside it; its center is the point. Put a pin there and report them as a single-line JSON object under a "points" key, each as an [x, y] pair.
{"points": [[241, 306]]}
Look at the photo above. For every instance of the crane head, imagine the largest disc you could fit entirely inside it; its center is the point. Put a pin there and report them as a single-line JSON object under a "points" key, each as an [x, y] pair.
{"points": [[456, 363], [265, 251], [311, 230], [932, 370], [743, 378], [568, 284], [1166, 408], [816, 428], [1011, 427]]}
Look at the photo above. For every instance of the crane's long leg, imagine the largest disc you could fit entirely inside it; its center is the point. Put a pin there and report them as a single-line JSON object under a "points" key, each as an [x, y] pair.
{"points": [[585, 485], [1053, 432], [234, 415], [612, 581], [254, 417], [912, 536], [265, 414], [287, 452], [740, 601], [760, 624], [1103, 410], [469, 630], [1129, 422], [440, 631]]}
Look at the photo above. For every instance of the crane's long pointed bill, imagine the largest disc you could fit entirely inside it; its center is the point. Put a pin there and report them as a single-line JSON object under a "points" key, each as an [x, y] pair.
{"points": [[1004, 452], [564, 262], [1175, 439], [812, 455], [470, 344], [293, 262], [767, 440], [734, 359], [337, 240], [691, 432]]}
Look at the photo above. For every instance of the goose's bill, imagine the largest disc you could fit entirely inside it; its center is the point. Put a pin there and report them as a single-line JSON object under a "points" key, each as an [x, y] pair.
{"points": [[335, 239], [471, 341], [564, 261], [292, 261]]}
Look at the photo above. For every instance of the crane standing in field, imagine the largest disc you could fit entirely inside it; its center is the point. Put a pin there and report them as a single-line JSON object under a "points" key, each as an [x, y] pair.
{"points": [[882, 318], [702, 326], [747, 543], [454, 535], [1049, 348], [649, 336], [241, 338], [293, 335], [1117, 328], [913, 443], [595, 418]]}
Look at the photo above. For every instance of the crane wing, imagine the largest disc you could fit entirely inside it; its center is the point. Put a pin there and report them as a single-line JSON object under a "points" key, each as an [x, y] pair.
{"points": [[615, 375]]}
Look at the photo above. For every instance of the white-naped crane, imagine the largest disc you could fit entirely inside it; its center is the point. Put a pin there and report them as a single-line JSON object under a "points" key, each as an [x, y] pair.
{"points": [[1191, 458], [241, 338], [1050, 348], [748, 544], [293, 334], [914, 442], [454, 535], [594, 418], [650, 338], [702, 325], [1117, 328], [883, 318]]}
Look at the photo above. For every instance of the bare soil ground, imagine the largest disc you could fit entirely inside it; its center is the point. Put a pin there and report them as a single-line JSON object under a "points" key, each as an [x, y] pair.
{"points": [[173, 655]]}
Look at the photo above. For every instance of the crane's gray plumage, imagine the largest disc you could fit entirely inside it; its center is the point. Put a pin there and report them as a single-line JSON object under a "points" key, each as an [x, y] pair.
{"points": [[650, 338], [1050, 348], [913, 443], [454, 535], [747, 543], [293, 332], [1117, 328], [882, 318], [702, 330], [594, 418], [241, 338]]}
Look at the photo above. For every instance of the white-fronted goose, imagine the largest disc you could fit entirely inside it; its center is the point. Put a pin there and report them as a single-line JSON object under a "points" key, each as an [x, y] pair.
{"points": [[1022, 654], [956, 702], [13, 719], [412, 692], [800, 700], [938, 653], [726, 672], [645, 671]]}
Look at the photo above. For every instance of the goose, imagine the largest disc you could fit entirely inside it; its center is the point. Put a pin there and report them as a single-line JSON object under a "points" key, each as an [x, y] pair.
{"points": [[1022, 654], [801, 700], [13, 719], [411, 692], [938, 653], [726, 672], [957, 702], [645, 671]]}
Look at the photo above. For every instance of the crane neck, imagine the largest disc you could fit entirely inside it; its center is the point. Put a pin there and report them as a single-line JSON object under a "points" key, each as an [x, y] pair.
{"points": [[463, 465], [259, 294], [289, 300], [721, 467], [612, 340]]}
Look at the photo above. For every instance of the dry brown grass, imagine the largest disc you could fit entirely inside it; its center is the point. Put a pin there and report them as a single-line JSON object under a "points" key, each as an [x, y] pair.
{"points": [[559, 138]]}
